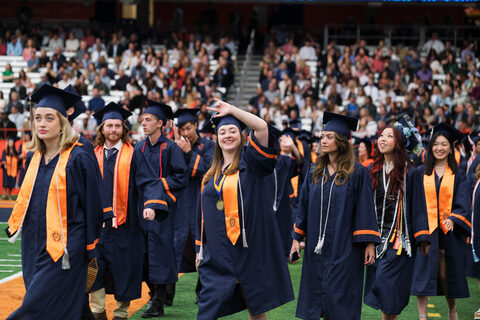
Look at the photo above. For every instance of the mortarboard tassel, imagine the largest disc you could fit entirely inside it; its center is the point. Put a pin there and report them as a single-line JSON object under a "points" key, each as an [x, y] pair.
{"points": [[319, 246], [14, 238], [200, 254], [244, 233], [65, 260]]}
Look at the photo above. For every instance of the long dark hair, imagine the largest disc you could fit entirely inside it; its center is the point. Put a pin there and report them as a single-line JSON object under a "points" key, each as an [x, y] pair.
{"points": [[345, 161], [430, 160], [400, 164]]}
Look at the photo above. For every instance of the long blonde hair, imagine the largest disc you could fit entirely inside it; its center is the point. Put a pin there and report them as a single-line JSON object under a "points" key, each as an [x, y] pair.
{"points": [[345, 161], [218, 160], [67, 136]]}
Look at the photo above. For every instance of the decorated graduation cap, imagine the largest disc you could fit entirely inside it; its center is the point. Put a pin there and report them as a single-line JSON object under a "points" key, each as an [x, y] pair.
{"points": [[186, 115], [228, 119], [54, 98], [449, 132], [112, 111], [410, 136], [79, 105], [159, 110], [339, 123]]}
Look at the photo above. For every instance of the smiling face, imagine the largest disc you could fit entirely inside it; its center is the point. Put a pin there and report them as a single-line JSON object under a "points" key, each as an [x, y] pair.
{"points": [[386, 141], [441, 148], [328, 142], [112, 130], [229, 137], [47, 124]]}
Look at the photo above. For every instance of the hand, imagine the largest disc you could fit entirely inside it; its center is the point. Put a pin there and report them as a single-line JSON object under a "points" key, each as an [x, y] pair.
{"points": [[286, 141], [197, 261], [184, 145], [177, 135], [369, 254], [222, 108], [424, 247], [448, 224], [295, 247], [148, 214]]}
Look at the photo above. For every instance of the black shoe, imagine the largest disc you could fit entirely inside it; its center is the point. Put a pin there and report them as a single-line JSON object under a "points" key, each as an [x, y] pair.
{"points": [[100, 316], [169, 301], [153, 312]]}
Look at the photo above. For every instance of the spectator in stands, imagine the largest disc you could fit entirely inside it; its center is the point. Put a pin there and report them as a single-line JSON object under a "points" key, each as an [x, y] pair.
{"points": [[72, 44], [222, 46], [80, 54], [100, 86], [139, 71], [104, 77], [19, 88], [468, 51], [7, 75], [14, 102], [371, 89], [207, 44], [55, 42], [43, 80], [96, 103], [114, 48], [58, 59], [223, 76], [14, 47], [3, 103], [3, 47], [425, 74], [16, 117], [80, 86], [434, 44], [122, 81], [98, 51], [43, 59], [29, 51], [89, 37], [7, 127], [475, 93]]}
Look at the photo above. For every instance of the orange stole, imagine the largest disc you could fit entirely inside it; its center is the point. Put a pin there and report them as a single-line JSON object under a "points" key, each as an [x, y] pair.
{"points": [[12, 165], [23, 149], [367, 162], [294, 182], [445, 199], [313, 157], [120, 180], [230, 201], [56, 205]]}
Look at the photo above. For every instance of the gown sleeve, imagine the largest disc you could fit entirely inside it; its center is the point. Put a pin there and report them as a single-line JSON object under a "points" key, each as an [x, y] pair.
{"points": [[417, 212], [177, 178], [461, 214], [199, 164], [259, 159], [365, 226], [301, 213]]}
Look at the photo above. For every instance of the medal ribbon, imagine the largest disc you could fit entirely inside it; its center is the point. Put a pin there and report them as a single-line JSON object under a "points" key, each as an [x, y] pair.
{"points": [[226, 187]]}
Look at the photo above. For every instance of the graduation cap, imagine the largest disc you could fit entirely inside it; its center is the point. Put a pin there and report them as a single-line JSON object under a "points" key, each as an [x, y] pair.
{"points": [[79, 105], [112, 111], [186, 115], [272, 130], [339, 123], [410, 136], [207, 128], [229, 119], [295, 124], [159, 110], [305, 135], [449, 132], [54, 98]]}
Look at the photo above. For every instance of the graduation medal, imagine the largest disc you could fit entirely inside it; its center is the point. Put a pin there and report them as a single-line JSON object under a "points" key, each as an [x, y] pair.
{"points": [[218, 184], [220, 205]]}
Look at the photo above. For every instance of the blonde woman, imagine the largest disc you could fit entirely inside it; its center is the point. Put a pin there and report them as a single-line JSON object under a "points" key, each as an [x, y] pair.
{"points": [[59, 212], [240, 259]]}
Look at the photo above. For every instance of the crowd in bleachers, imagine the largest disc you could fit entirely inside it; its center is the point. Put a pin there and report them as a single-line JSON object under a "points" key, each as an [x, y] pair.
{"points": [[433, 82], [190, 70]]}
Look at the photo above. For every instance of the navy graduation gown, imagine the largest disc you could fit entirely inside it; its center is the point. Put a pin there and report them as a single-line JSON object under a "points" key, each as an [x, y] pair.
{"points": [[261, 269], [121, 249], [8, 181], [388, 280], [198, 163], [51, 292], [281, 189], [425, 275], [159, 233], [332, 282], [473, 268]]}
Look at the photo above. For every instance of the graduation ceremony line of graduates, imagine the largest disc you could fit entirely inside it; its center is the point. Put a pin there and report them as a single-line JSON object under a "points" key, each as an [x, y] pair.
{"points": [[236, 208]]}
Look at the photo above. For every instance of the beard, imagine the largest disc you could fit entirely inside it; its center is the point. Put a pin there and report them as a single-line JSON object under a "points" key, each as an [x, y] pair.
{"points": [[112, 137]]}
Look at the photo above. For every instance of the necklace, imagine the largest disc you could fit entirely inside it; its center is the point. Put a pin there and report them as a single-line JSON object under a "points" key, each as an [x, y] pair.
{"points": [[50, 158], [321, 233], [388, 167]]}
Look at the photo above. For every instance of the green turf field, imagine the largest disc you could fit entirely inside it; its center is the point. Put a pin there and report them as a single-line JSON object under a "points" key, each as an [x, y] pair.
{"points": [[184, 307]]}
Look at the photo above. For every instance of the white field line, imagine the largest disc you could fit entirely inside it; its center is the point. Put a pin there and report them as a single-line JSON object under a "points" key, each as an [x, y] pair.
{"points": [[13, 276]]}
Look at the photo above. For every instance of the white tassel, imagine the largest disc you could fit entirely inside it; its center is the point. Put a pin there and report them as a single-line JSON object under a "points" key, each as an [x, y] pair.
{"points": [[14, 238], [318, 248], [200, 255], [475, 257], [244, 238], [65, 260]]}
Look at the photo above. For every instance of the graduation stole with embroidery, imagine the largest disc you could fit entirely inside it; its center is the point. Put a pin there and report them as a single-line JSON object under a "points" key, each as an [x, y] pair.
{"points": [[121, 181], [56, 205], [226, 188], [439, 210]]}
